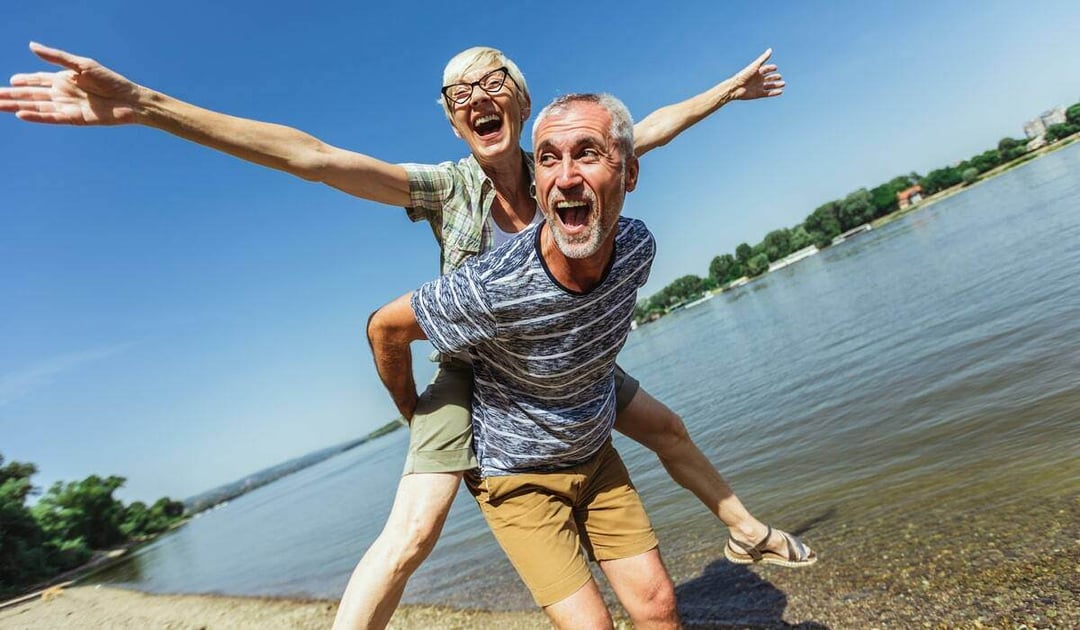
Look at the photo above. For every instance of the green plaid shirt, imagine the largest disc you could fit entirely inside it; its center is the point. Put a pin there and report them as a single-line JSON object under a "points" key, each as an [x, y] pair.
{"points": [[455, 199]]}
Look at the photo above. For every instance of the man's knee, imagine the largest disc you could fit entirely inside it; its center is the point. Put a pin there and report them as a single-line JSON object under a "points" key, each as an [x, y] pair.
{"points": [[657, 602]]}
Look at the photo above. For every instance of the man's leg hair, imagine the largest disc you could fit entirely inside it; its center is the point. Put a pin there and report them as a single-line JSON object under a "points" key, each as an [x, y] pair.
{"points": [[420, 507]]}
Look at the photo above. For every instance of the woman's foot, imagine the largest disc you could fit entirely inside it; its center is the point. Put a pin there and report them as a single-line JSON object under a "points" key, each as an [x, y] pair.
{"points": [[776, 547]]}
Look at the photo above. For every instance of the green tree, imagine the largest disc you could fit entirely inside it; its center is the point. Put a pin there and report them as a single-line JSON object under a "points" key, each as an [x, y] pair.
{"points": [[985, 161], [777, 244], [743, 253], [800, 238], [942, 178], [136, 520], [686, 288], [970, 175], [1072, 115], [1057, 132], [857, 208], [24, 559], [83, 510], [164, 513], [724, 268], [758, 265], [884, 196], [824, 223]]}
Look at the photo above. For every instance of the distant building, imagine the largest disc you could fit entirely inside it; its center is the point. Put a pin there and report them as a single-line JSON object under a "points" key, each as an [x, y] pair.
{"points": [[1036, 127], [909, 196], [1054, 116]]}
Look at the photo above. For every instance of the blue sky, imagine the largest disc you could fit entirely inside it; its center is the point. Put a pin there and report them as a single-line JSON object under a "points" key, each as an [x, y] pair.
{"points": [[182, 318]]}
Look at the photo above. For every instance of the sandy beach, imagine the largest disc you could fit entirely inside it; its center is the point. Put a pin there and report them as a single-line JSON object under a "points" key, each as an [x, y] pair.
{"points": [[113, 608], [999, 574]]}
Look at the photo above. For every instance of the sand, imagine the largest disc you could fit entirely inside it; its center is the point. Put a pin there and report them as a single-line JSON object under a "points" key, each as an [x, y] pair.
{"points": [[1016, 566], [113, 608]]}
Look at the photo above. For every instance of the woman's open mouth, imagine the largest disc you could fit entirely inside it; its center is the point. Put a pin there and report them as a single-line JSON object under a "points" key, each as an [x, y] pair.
{"points": [[487, 125]]}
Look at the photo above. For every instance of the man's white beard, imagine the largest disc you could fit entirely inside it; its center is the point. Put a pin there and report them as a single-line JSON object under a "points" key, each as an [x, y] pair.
{"points": [[582, 245]]}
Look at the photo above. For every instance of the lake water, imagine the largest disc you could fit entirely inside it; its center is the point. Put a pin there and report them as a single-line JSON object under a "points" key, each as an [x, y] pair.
{"points": [[908, 387]]}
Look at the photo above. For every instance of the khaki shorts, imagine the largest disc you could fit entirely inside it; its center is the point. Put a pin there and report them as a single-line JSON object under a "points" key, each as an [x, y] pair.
{"points": [[544, 520], [440, 437]]}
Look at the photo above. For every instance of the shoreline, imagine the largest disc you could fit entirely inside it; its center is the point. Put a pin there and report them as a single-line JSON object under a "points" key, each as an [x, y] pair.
{"points": [[985, 177], [951, 565]]}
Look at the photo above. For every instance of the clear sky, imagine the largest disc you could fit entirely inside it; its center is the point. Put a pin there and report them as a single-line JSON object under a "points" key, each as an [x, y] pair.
{"points": [[182, 318]]}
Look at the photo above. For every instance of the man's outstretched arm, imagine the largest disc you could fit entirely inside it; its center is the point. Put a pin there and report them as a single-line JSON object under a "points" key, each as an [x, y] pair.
{"points": [[757, 80], [390, 330], [87, 93]]}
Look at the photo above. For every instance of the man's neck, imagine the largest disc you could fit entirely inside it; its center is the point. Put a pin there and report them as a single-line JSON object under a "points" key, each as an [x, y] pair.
{"points": [[579, 275]]}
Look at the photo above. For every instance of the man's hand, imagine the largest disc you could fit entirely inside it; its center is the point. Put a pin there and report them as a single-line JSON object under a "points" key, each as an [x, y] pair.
{"points": [[757, 80], [85, 93]]}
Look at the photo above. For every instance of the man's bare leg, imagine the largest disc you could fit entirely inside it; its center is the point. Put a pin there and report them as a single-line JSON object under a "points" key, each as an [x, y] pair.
{"points": [[649, 422], [423, 500], [645, 589], [584, 609]]}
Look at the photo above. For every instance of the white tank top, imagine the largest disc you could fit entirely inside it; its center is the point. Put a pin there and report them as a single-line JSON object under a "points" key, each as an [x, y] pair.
{"points": [[502, 237]]}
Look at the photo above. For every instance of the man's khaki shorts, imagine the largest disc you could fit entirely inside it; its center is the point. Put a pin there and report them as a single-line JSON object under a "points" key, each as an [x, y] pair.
{"points": [[543, 520], [440, 432]]}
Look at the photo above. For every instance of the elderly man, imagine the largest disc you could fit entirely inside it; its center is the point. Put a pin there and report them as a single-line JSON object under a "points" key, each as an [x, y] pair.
{"points": [[471, 205], [543, 317]]}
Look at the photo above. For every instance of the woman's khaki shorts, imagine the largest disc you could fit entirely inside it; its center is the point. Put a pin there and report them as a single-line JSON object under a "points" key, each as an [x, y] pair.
{"points": [[542, 521], [440, 432]]}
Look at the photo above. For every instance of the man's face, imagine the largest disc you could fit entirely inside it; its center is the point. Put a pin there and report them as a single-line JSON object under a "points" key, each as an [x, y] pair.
{"points": [[489, 123], [581, 177]]}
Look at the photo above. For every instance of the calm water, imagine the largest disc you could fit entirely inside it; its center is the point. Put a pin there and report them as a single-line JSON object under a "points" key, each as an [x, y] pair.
{"points": [[932, 362]]}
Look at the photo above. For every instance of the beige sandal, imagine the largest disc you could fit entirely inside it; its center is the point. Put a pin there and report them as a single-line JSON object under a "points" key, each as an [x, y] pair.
{"points": [[798, 554]]}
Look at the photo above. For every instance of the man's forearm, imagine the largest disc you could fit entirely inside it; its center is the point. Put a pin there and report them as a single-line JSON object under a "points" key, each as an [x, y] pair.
{"points": [[661, 126], [390, 331]]}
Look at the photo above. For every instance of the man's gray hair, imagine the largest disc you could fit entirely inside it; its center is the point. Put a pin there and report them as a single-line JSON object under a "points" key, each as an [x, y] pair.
{"points": [[622, 124], [479, 57]]}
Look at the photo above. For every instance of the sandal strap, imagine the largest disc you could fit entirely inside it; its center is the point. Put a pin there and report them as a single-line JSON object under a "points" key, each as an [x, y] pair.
{"points": [[754, 551], [796, 549]]}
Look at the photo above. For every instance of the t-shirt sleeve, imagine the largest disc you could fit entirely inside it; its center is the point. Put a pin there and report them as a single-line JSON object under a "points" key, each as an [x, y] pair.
{"points": [[642, 247], [430, 186], [454, 311]]}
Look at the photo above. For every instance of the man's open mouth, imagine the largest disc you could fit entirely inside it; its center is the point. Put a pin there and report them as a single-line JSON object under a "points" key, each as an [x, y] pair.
{"points": [[487, 125], [574, 215]]}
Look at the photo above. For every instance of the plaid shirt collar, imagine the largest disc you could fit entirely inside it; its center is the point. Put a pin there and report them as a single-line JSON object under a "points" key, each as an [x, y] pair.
{"points": [[469, 228]]}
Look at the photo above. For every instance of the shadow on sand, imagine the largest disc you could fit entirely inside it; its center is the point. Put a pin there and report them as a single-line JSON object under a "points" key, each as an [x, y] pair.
{"points": [[727, 596]]}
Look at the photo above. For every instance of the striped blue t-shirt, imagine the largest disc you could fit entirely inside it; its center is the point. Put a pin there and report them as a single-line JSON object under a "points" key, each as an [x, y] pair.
{"points": [[543, 356]]}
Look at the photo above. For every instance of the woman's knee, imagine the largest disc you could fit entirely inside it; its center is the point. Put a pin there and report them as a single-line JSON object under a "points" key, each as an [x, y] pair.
{"points": [[407, 546]]}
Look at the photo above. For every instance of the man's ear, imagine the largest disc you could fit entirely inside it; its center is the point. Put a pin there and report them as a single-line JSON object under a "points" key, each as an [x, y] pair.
{"points": [[631, 173]]}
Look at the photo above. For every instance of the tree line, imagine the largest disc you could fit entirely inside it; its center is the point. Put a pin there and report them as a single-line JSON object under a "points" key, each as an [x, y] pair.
{"points": [[69, 521], [836, 217]]}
